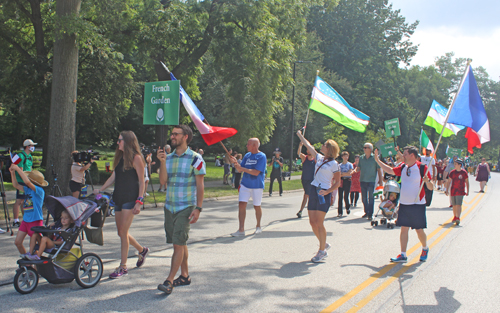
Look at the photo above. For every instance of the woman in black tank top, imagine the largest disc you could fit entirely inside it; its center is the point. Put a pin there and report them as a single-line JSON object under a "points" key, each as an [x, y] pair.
{"points": [[128, 177]]}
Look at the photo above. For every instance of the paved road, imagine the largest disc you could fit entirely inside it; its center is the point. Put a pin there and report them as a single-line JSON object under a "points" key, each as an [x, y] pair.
{"points": [[271, 272]]}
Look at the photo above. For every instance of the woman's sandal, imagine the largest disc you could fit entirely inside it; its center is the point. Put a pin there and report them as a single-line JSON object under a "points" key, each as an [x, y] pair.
{"points": [[182, 281]]}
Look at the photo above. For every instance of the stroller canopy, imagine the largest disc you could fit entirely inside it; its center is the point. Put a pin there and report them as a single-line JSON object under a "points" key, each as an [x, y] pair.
{"points": [[79, 210]]}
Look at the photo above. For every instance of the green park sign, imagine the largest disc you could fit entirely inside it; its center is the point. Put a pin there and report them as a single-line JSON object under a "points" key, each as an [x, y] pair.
{"points": [[388, 150], [392, 128], [451, 152], [161, 103]]}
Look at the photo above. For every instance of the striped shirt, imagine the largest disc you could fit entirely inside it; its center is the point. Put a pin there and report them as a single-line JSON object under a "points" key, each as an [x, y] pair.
{"points": [[181, 182]]}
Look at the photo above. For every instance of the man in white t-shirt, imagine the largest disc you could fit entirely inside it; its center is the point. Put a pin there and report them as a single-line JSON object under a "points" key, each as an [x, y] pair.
{"points": [[430, 162], [412, 200]]}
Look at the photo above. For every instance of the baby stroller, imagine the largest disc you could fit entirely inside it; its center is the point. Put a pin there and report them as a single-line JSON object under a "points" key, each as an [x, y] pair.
{"points": [[391, 190], [64, 262]]}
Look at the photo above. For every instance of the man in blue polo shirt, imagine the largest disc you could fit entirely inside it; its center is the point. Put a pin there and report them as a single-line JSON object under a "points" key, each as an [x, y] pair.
{"points": [[253, 166]]}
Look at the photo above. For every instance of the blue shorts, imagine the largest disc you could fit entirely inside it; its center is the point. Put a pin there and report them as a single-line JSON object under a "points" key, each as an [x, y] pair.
{"points": [[314, 204], [412, 215], [125, 206], [306, 184]]}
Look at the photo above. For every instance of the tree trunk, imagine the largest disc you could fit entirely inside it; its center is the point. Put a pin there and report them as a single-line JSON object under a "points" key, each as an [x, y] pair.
{"points": [[63, 100]]}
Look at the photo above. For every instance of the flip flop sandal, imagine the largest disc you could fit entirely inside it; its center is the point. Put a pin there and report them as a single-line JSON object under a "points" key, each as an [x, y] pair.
{"points": [[182, 281]]}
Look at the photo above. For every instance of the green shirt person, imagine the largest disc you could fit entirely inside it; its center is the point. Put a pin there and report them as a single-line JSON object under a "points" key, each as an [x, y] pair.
{"points": [[26, 165]]}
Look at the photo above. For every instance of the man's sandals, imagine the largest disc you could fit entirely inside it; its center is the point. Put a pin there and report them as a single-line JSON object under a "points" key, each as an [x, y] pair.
{"points": [[182, 281], [166, 287]]}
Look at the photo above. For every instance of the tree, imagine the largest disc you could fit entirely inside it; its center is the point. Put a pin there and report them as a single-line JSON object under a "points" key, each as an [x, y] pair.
{"points": [[63, 97]]}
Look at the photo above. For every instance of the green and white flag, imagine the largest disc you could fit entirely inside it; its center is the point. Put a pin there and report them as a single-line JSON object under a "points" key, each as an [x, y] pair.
{"points": [[327, 101], [425, 142]]}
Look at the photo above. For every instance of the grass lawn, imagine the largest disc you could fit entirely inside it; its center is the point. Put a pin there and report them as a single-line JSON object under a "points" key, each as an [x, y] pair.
{"points": [[220, 191]]}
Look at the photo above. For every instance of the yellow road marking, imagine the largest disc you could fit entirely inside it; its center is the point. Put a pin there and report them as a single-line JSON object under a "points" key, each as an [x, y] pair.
{"points": [[337, 304]]}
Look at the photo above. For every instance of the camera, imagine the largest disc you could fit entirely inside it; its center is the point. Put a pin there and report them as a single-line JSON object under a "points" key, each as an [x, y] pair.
{"points": [[85, 156]]}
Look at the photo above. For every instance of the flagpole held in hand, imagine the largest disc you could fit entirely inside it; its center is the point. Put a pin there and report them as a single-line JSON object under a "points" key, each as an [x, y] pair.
{"points": [[445, 122]]}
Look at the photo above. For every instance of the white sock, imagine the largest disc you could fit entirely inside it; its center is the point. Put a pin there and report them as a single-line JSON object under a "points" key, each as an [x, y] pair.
{"points": [[403, 254], [425, 248], [16, 220]]}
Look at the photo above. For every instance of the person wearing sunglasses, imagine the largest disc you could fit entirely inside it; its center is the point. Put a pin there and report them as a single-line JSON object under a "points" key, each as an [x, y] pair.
{"points": [[411, 212], [369, 172]]}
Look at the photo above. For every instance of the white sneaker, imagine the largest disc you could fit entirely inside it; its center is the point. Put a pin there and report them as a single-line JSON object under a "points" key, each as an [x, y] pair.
{"points": [[327, 246], [2, 231], [319, 256], [146, 194], [258, 230], [238, 234]]}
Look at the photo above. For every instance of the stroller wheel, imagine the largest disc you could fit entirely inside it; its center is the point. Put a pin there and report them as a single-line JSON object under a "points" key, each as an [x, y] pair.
{"points": [[376, 223], [88, 270], [26, 280]]}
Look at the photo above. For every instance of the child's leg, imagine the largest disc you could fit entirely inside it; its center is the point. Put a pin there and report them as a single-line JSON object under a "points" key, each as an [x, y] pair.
{"points": [[19, 241], [34, 239], [45, 243]]}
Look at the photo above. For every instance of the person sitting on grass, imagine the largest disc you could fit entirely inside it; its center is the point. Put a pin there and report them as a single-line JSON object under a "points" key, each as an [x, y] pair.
{"points": [[49, 242], [33, 215]]}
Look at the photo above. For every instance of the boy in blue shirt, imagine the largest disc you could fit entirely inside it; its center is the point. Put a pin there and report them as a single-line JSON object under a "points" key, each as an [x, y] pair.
{"points": [[33, 215]]}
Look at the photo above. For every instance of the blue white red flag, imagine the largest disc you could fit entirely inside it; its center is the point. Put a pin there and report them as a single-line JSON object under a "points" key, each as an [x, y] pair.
{"points": [[15, 158], [197, 163], [468, 109]]}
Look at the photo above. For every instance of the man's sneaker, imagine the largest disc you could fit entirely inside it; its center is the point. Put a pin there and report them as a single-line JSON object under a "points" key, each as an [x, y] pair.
{"points": [[399, 259], [2, 231], [16, 224], [319, 256], [33, 257], [327, 246], [258, 230], [423, 256], [365, 215], [142, 257], [119, 272], [238, 234], [457, 221], [146, 194]]}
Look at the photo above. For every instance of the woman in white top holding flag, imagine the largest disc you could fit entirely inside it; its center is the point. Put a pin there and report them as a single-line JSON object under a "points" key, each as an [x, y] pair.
{"points": [[326, 170]]}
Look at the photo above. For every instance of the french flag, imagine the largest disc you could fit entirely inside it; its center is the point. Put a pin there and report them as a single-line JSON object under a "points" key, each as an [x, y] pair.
{"points": [[210, 134], [15, 159], [197, 163], [468, 110]]}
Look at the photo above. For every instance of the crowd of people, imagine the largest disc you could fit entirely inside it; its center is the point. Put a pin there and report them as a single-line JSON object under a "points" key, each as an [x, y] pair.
{"points": [[182, 170]]}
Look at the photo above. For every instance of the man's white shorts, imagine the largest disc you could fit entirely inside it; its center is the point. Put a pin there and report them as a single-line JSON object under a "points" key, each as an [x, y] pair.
{"points": [[246, 193]]}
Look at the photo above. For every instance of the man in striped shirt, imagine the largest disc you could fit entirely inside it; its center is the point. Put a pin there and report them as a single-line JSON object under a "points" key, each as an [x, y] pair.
{"points": [[183, 172]]}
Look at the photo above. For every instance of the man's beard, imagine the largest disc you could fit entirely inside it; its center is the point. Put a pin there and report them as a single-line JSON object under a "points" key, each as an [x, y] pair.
{"points": [[175, 144]]}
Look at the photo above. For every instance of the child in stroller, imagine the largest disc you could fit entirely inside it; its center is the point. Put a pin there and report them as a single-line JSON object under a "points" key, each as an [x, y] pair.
{"points": [[388, 205], [49, 242], [65, 263]]}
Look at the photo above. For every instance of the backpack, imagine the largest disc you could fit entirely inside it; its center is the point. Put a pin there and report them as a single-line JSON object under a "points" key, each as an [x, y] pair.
{"points": [[428, 193]]}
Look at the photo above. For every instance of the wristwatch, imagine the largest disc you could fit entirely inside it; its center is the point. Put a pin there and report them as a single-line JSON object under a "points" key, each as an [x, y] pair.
{"points": [[198, 208]]}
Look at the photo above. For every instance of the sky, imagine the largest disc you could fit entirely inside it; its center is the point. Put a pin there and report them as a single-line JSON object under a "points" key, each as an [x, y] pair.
{"points": [[470, 29]]}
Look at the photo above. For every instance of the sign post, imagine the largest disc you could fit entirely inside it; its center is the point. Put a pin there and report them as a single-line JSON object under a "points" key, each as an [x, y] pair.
{"points": [[161, 103]]}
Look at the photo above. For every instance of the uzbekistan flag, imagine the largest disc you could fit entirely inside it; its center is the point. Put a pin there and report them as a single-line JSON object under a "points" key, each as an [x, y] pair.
{"points": [[15, 159], [327, 101], [468, 110], [437, 116], [425, 141], [211, 134]]}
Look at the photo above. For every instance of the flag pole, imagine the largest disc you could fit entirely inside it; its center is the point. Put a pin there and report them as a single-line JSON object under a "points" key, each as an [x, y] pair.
{"points": [[446, 118], [307, 115]]}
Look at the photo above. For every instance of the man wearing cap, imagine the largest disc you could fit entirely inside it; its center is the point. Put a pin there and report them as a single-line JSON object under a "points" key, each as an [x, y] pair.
{"points": [[33, 215], [26, 164], [277, 166], [369, 172]]}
